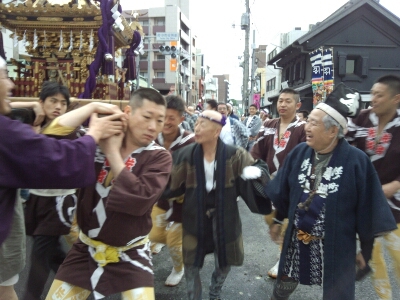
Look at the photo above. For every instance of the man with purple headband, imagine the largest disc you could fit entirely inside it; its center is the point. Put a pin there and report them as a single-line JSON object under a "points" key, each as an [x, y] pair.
{"points": [[211, 175]]}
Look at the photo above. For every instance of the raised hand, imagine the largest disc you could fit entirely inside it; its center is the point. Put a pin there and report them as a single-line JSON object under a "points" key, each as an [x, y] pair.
{"points": [[103, 128]]}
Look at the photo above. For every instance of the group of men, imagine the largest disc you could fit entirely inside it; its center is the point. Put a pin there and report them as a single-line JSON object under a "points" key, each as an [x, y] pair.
{"points": [[149, 179]]}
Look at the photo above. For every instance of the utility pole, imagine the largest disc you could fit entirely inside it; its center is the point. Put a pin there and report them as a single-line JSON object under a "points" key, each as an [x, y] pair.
{"points": [[148, 54], [253, 65], [246, 26]]}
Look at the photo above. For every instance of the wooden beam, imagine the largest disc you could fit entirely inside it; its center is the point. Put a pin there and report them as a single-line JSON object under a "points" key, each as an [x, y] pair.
{"points": [[120, 103]]}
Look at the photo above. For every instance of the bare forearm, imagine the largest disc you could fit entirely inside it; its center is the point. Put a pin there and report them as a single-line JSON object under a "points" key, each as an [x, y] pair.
{"points": [[23, 104], [76, 117], [389, 189], [116, 162]]}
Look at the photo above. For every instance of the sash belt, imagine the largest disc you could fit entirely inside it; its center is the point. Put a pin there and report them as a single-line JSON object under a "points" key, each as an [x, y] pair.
{"points": [[305, 237], [108, 254]]}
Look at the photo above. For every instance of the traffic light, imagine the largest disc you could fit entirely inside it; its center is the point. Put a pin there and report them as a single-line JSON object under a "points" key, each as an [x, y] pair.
{"points": [[168, 50], [173, 52]]}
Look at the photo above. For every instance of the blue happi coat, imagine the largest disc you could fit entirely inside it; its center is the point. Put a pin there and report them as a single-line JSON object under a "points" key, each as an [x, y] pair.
{"points": [[355, 205]]}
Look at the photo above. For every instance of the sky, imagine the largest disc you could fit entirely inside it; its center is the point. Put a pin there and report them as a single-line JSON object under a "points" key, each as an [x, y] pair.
{"points": [[216, 23]]}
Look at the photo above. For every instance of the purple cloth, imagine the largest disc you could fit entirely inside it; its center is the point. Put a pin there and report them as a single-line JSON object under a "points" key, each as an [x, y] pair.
{"points": [[30, 160]]}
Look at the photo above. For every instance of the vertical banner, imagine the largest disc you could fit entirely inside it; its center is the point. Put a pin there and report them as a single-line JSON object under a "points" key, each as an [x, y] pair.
{"points": [[256, 100], [317, 77], [172, 64], [327, 63]]}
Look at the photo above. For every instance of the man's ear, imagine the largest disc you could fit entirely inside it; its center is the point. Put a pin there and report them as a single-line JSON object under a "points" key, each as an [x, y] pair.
{"points": [[298, 105], [397, 99], [128, 110], [334, 130], [182, 119]]}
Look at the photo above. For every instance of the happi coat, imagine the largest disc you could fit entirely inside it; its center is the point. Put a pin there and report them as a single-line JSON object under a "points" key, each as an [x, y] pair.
{"points": [[385, 155], [117, 212], [253, 125], [272, 149], [174, 208], [355, 205], [188, 178], [30, 160], [51, 211], [239, 133]]}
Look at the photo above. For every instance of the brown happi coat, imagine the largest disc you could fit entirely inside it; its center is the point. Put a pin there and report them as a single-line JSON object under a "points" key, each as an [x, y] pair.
{"points": [[185, 138], [384, 151], [117, 213], [272, 149]]}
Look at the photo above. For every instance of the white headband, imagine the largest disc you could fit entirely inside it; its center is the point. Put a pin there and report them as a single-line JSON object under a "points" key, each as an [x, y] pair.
{"points": [[333, 113]]}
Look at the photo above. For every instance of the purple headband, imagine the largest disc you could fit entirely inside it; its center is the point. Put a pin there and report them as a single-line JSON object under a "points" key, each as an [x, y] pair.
{"points": [[222, 122]]}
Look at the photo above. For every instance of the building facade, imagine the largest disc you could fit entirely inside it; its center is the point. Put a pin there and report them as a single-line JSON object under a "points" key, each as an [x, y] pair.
{"points": [[365, 40], [273, 73], [223, 87], [164, 72]]}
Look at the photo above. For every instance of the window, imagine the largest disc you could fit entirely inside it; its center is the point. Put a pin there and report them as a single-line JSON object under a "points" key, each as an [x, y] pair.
{"points": [[350, 66], [159, 21], [287, 74], [160, 57], [160, 75], [143, 74], [272, 54], [144, 23], [297, 71], [271, 84]]}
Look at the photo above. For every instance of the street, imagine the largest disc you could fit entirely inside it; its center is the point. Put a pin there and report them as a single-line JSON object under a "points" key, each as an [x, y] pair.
{"points": [[246, 282]]}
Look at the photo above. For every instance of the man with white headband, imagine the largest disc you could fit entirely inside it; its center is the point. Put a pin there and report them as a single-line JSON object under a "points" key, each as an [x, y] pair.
{"points": [[211, 175], [31, 160], [330, 192]]}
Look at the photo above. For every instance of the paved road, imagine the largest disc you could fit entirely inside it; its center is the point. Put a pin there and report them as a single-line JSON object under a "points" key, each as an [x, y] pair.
{"points": [[246, 282]]}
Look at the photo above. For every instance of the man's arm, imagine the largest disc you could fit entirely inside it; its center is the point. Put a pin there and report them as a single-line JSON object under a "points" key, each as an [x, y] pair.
{"points": [[78, 116], [136, 194], [35, 106], [391, 188], [99, 128], [35, 161]]}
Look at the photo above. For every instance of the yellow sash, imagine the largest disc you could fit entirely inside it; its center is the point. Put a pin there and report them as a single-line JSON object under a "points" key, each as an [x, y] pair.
{"points": [[108, 254]]}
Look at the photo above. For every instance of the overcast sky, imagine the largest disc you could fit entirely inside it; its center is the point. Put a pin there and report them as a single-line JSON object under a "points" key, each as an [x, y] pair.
{"points": [[212, 20]]}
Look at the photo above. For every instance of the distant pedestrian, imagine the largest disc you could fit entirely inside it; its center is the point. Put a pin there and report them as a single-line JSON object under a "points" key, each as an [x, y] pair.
{"points": [[303, 115], [231, 113], [253, 125], [212, 105], [233, 132]]}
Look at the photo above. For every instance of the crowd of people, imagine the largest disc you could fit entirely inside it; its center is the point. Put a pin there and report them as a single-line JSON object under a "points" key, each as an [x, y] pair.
{"points": [[158, 172]]}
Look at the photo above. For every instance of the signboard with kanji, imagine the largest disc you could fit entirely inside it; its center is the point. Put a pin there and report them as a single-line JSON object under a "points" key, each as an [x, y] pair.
{"points": [[167, 36]]}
